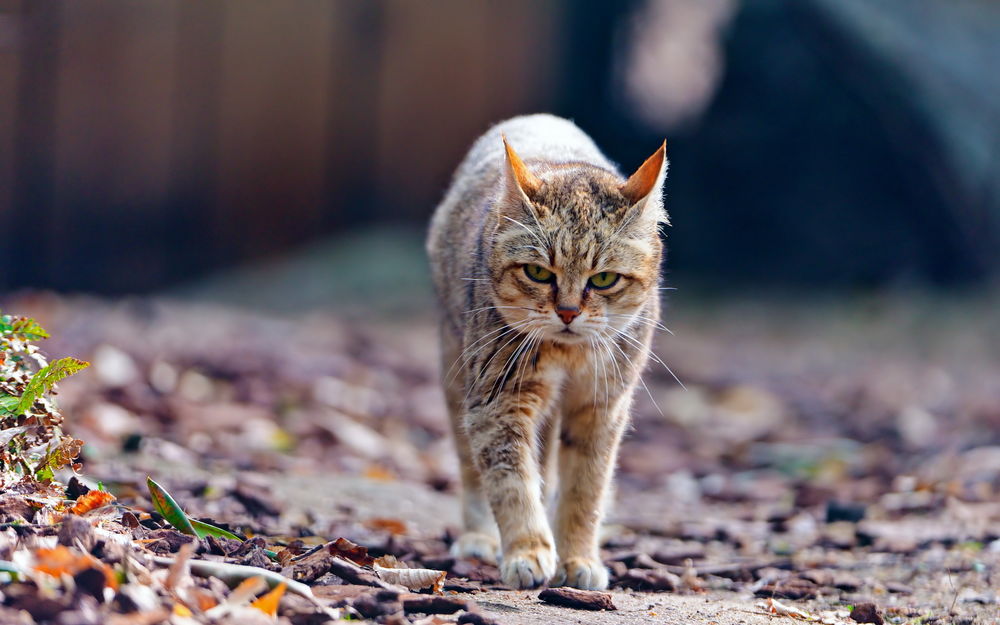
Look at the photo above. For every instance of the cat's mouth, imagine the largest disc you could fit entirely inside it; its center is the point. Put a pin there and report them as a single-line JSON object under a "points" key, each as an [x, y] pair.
{"points": [[567, 336]]}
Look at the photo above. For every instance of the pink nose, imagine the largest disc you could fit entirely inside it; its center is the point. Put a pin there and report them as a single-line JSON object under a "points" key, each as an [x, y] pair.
{"points": [[567, 314]]}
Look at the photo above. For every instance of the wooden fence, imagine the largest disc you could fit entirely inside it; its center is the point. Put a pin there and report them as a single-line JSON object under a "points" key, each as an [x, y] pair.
{"points": [[144, 142]]}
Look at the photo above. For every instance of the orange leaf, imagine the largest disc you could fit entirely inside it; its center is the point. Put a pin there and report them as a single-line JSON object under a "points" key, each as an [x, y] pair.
{"points": [[61, 560], [268, 604], [91, 500], [393, 526], [380, 474], [182, 610]]}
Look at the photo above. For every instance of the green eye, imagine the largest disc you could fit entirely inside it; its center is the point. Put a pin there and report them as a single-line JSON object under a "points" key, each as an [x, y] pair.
{"points": [[538, 274], [603, 280]]}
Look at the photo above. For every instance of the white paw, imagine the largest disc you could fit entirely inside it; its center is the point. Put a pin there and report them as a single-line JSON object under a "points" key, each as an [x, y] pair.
{"points": [[476, 545], [528, 568], [584, 573]]}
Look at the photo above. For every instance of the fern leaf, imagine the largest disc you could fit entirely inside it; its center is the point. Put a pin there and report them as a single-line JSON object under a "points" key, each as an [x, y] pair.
{"points": [[44, 380]]}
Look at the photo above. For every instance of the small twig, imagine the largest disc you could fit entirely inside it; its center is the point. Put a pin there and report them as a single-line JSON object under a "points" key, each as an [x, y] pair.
{"points": [[232, 574]]}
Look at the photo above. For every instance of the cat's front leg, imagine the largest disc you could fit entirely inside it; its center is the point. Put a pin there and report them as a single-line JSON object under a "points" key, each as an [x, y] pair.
{"points": [[589, 439], [503, 435]]}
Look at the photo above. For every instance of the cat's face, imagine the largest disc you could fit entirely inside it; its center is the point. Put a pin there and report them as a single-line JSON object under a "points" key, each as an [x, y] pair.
{"points": [[575, 257]]}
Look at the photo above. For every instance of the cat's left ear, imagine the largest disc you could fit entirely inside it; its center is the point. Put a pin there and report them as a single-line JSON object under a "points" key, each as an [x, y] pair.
{"points": [[643, 189]]}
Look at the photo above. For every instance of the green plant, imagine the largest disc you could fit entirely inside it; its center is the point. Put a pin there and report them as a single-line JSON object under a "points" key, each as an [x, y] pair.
{"points": [[32, 443]]}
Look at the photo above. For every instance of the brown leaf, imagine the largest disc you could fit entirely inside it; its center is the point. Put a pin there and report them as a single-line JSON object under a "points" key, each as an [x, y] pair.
{"points": [[350, 551], [578, 599]]}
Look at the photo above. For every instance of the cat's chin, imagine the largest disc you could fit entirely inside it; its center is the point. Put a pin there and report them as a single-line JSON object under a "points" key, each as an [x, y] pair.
{"points": [[568, 337]]}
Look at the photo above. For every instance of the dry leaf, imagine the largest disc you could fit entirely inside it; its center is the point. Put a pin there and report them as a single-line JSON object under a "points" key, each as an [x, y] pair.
{"points": [[393, 526], [268, 604], [179, 574], [350, 551], [61, 560], [379, 474], [390, 570], [240, 597], [92, 500], [434, 619], [773, 606]]}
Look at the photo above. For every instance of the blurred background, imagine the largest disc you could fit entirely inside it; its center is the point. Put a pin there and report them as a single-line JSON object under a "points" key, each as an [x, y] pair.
{"points": [[814, 144]]}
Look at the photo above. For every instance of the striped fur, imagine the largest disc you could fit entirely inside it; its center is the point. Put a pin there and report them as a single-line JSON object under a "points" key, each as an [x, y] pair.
{"points": [[527, 392]]}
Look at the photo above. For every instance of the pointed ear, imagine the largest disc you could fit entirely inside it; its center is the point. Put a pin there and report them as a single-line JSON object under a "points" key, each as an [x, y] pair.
{"points": [[517, 173], [647, 178]]}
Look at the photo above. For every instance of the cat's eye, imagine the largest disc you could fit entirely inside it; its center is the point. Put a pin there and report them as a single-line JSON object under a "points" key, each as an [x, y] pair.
{"points": [[603, 280], [539, 273]]}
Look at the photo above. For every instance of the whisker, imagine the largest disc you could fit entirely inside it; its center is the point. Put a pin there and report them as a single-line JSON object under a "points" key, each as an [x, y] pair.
{"points": [[508, 365], [638, 374], [522, 368], [652, 354], [486, 366], [530, 231], [475, 310], [465, 357], [653, 323]]}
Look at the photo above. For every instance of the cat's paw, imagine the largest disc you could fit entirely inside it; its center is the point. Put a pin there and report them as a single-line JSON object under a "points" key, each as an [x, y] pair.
{"points": [[528, 568], [476, 545], [584, 573]]}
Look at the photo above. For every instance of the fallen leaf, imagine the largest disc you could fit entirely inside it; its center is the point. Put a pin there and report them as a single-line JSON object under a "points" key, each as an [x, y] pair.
{"points": [[775, 607], [350, 551], [393, 526], [92, 500], [268, 604], [60, 560], [413, 579], [380, 474]]}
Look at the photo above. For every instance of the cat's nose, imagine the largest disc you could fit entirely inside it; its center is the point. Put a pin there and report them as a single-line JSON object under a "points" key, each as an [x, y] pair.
{"points": [[567, 314]]}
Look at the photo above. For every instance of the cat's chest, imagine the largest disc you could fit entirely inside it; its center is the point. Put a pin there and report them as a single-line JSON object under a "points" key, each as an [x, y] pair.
{"points": [[580, 362]]}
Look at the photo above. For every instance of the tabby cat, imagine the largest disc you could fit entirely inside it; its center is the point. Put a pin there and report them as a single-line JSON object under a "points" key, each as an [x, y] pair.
{"points": [[546, 262]]}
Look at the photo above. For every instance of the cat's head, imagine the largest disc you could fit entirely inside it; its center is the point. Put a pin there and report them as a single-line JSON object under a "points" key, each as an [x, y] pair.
{"points": [[576, 251]]}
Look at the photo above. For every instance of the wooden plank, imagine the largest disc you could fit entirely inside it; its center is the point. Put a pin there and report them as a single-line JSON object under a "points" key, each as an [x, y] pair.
{"points": [[38, 38], [273, 120], [10, 27], [450, 70], [112, 139]]}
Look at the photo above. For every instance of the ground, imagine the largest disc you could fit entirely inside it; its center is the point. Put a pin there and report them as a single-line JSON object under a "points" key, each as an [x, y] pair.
{"points": [[825, 453]]}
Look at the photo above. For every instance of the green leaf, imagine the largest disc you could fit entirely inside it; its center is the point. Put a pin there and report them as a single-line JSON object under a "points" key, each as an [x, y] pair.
{"points": [[172, 512], [26, 328], [44, 380], [202, 529], [8, 403], [44, 474], [169, 509]]}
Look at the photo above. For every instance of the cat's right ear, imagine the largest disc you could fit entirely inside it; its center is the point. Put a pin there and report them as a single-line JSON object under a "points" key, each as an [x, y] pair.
{"points": [[517, 173], [521, 185]]}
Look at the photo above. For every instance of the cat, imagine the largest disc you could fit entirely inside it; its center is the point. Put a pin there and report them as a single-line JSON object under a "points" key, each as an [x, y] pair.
{"points": [[547, 265]]}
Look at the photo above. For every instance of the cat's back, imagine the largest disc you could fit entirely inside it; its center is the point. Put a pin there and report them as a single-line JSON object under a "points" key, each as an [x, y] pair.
{"points": [[540, 140]]}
